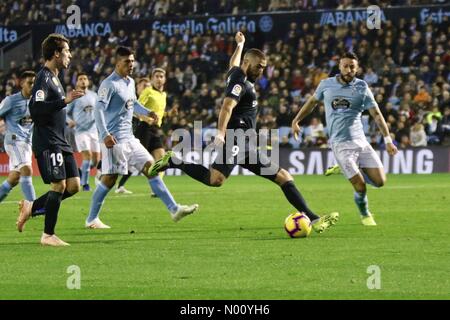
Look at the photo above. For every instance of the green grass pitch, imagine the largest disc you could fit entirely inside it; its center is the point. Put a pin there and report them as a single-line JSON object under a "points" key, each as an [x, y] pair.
{"points": [[235, 247]]}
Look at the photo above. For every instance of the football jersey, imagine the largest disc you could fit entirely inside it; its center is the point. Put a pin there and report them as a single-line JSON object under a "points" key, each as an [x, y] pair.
{"points": [[155, 101], [243, 91], [14, 109], [344, 104]]}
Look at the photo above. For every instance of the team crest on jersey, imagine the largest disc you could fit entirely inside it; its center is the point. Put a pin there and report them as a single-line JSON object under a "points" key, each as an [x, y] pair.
{"points": [[340, 104], [55, 81], [40, 95], [103, 93], [129, 104], [236, 91]]}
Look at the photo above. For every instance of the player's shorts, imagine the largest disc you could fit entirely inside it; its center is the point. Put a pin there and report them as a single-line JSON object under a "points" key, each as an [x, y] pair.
{"points": [[87, 141], [149, 136], [251, 159], [124, 157], [352, 155], [56, 165], [19, 153]]}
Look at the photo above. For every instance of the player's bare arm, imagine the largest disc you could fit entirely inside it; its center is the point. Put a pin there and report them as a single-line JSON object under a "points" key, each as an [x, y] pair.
{"points": [[381, 123], [235, 60], [224, 117], [307, 108]]}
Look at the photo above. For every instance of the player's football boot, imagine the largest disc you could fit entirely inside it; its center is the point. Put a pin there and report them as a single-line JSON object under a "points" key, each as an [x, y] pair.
{"points": [[333, 170], [53, 241], [160, 165], [325, 222], [86, 187], [96, 224], [184, 211], [122, 190], [368, 221], [24, 214]]}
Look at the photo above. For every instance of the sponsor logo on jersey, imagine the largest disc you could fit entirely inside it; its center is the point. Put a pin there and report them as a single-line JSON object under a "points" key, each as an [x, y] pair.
{"points": [[340, 103], [236, 91], [88, 109], [40, 95]]}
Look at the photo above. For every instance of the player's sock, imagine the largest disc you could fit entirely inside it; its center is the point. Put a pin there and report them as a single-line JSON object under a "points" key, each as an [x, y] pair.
{"points": [[51, 211], [124, 180], [85, 172], [99, 165], [362, 203], [160, 189], [368, 180], [5, 188], [295, 198], [195, 171], [97, 201], [38, 208], [26, 184]]}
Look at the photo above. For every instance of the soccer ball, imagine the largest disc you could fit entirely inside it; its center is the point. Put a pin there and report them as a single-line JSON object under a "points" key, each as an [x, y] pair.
{"points": [[297, 225]]}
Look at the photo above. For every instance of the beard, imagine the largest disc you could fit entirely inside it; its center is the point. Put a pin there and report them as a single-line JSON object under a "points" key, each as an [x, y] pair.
{"points": [[348, 78]]}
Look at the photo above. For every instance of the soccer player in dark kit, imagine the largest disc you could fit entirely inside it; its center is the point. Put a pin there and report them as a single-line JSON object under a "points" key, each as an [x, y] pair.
{"points": [[53, 154], [239, 111]]}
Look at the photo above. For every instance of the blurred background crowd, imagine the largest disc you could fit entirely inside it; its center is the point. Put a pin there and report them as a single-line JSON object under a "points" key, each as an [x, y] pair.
{"points": [[407, 65]]}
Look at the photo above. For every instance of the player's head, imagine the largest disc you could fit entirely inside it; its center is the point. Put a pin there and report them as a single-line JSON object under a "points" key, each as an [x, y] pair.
{"points": [[254, 63], [56, 48], [158, 78], [82, 81], [124, 61], [348, 66], [26, 81], [142, 84]]}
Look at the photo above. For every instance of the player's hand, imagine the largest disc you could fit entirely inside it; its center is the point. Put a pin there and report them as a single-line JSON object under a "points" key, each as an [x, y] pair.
{"points": [[391, 149], [71, 124], [240, 38], [153, 116], [109, 141], [74, 94], [295, 130], [219, 139]]}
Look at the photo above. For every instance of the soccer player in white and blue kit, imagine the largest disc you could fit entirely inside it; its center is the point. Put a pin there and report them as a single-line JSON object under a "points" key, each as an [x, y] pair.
{"points": [[345, 98], [14, 110], [80, 116], [121, 151]]}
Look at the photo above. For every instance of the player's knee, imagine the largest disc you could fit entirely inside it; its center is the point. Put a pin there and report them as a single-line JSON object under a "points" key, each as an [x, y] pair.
{"points": [[58, 186], [380, 182], [282, 177], [217, 181], [73, 188], [14, 181]]}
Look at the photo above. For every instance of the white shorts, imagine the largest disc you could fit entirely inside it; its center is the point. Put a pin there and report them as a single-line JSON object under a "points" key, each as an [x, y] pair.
{"points": [[123, 157], [87, 141], [352, 155], [19, 155]]}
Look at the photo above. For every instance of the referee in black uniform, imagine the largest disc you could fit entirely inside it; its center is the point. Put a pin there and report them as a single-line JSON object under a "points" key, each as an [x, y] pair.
{"points": [[53, 153]]}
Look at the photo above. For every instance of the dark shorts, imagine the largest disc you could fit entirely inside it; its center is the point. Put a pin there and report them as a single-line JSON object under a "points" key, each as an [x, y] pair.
{"points": [[251, 159], [149, 136], [55, 166]]}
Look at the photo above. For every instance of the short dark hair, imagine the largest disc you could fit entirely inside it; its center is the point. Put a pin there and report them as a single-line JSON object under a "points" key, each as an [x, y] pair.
{"points": [[82, 74], [255, 53], [349, 55], [54, 42], [123, 51], [27, 74]]}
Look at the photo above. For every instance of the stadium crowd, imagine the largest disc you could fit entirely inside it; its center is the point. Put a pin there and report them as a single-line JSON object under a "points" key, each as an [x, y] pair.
{"points": [[28, 11], [407, 66]]}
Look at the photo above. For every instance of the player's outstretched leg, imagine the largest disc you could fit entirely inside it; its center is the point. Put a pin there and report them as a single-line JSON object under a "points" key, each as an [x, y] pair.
{"points": [[158, 186], [98, 198], [293, 195]]}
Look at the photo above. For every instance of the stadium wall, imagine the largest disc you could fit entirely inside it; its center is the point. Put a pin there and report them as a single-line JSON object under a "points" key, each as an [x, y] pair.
{"points": [[315, 161]]}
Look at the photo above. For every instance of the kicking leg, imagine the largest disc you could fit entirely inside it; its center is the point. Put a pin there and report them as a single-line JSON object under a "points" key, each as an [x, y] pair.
{"points": [[361, 200]]}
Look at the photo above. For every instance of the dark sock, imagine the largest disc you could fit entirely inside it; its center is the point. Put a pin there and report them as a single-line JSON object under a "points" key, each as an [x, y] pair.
{"points": [[295, 198], [124, 179], [196, 171], [38, 208], [38, 205], [51, 211], [99, 165]]}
